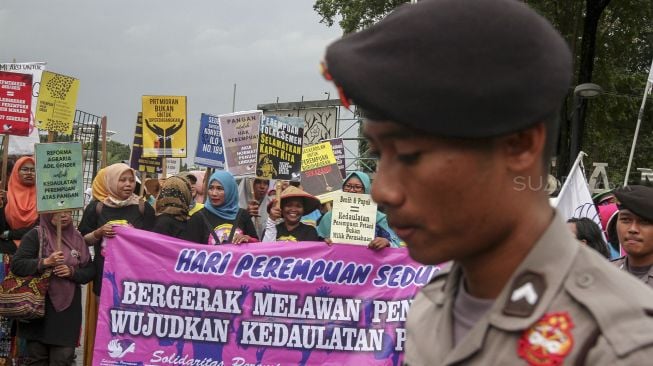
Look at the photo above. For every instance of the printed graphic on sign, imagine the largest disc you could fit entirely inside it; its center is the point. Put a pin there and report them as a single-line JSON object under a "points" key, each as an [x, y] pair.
{"points": [[280, 148], [56, 103], [136, 160], [252, 304], [15, 103], [209, 143], [164, 126], [59, 182], [338, 147], [319, 123], [354, 219], [239, 138], [19, 145], [320, 173]]}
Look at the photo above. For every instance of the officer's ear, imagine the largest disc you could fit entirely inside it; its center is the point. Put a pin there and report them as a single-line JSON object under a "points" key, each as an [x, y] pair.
{"points": [[523, 150]]}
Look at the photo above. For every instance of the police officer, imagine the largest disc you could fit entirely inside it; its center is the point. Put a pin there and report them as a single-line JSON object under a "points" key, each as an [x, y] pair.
{"points": [[460, 99], [635, 230]]}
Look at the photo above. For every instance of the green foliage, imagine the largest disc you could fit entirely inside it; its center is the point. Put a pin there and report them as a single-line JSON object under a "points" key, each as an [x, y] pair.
{"points": [[117, 152]]}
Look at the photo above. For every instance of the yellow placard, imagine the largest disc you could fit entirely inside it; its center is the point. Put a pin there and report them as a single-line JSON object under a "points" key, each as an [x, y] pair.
{"points": [[56, 104], [317, 156], [164, 126]]}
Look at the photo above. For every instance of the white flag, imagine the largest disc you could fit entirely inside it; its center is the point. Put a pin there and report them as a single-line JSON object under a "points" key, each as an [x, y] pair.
{"points": [[575, 199]]}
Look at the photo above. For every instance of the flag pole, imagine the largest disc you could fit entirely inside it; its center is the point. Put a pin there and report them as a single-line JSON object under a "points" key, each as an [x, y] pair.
{"points": [[647, 91]]}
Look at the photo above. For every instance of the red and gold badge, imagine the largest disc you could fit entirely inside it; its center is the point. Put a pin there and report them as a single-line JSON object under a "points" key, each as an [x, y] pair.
{"points": [[548, 341]]}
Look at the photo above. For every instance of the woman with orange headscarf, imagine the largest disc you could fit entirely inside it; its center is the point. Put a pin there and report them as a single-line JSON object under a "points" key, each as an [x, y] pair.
{"points": [[19, 214], [17, 217]]}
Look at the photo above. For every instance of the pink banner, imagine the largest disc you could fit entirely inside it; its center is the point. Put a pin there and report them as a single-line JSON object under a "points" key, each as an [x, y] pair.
{"points": [[166, 301]]}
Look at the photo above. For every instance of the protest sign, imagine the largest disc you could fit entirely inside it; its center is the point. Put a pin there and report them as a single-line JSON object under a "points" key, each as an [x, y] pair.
{"points": [[239, 138], [338, 147], [24, 145], [280, 148], [354, 219], [164, 126], [136, 159], [56, 103], [15, 103], [252, 304], [59, 182], [172, 166], [320, 173], [319, 123], [209, 143]]}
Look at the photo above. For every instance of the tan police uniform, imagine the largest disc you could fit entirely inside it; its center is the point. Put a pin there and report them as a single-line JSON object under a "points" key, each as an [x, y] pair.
{"points": [[622, 264], [564, 305]]}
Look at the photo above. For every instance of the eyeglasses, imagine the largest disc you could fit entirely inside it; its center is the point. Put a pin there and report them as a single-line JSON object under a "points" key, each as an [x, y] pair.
{"points": [[27, 170], [353, 187]]}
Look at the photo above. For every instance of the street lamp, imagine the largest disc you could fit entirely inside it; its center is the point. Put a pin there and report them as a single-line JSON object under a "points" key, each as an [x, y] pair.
{"points": [[581, 93]]}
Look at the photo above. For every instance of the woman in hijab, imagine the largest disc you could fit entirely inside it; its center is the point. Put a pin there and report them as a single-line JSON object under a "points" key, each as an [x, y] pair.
{"points": [[172, 207], [213, 223], [19, 214], [120, 207], [359, 182], [52, 339]]}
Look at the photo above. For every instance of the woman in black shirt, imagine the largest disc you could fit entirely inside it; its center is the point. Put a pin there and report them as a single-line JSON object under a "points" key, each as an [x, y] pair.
{"points": [[213, 224], [294, 203]]}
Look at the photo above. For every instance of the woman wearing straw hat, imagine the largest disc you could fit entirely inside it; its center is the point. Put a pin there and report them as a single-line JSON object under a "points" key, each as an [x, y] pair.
{"points": [[294, 203]]}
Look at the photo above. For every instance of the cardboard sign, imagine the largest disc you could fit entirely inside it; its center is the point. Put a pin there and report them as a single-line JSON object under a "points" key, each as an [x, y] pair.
{"points": [[320, 173], [15, 103], [24, 145], [252, 304], [209, 143], [59, 178], [57, 101], [164, 126], [280, 148], [239, 137], [354, 219], [136, 159], [172, 166], [338, 147]]}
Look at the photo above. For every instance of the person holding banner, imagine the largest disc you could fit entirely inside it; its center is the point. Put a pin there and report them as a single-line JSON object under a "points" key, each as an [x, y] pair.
{"points": [[294, 202], [120, 207], [214, 224], [461, 101], [52, 339], [194, 205], [19, 214], [359, 182], [253, 196], [172, 206]]}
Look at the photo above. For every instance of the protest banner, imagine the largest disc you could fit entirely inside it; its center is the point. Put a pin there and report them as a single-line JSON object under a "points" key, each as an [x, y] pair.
{"points": [[319, 123], [210, 152], [172, 166], [136, 159], [239, 133], [24, 145], [320, 173], [338, 147], [15, 103], [164, 126], [56, 103], [279, 153], [59, 182], [354, 219], [575, 199], [252, 304]]}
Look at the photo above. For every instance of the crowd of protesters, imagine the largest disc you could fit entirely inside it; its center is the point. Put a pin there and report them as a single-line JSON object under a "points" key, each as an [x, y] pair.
{"points": [[248, 211]]}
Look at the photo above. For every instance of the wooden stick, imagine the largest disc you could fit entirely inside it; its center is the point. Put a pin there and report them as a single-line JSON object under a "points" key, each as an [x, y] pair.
{"points": [[249, 182], [207, 176], [52, 135], [143, 176], [5, 161], [277, 192], [59, 232], [164, 167]]}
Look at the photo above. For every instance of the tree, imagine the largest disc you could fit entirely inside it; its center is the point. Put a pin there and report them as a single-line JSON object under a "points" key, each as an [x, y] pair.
{"points": [[612, 45]]}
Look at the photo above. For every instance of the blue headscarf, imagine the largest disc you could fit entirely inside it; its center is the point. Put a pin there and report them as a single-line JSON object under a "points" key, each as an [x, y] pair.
{"points": [[229, 209]]}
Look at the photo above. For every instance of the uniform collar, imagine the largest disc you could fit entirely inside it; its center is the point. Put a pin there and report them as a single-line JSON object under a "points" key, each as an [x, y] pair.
{"points": [[537, 280]]}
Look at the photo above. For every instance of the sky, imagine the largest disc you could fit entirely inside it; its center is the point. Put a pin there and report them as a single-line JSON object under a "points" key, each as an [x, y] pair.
{"points": [[123, 49]]}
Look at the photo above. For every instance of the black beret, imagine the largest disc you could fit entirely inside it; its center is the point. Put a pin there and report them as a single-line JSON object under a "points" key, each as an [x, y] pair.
{"points": [[636, 199], [455, 68]]}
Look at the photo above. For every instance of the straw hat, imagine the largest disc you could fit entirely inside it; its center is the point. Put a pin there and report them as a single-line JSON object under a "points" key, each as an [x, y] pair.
{"points": [[310, 202], [152, 186]]}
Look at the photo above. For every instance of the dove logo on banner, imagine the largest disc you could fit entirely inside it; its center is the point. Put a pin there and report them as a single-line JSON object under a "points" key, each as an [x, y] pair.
{"points": [[575, 199], [118, 348]]}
